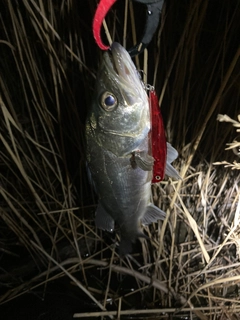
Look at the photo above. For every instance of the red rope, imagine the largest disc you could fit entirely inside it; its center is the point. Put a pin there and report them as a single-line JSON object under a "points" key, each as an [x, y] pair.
{"points": [[101, 12]]}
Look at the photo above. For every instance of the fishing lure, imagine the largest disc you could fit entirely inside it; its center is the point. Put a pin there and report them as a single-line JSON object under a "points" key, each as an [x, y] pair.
{"points": [[158, 139]]}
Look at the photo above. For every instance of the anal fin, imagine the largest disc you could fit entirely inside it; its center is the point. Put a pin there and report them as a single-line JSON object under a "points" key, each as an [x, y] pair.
{"points": [[103, 220]]}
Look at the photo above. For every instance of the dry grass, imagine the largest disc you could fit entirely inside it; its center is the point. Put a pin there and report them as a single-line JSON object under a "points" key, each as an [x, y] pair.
{"points": [[190, 267]]}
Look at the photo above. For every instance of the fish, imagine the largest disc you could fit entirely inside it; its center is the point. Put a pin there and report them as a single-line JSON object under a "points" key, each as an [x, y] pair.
{"points": [[118, 150]]}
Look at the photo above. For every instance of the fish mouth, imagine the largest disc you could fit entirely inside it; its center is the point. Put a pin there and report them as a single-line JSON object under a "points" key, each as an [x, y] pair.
{"points": [[119, 62], [120, 59]]}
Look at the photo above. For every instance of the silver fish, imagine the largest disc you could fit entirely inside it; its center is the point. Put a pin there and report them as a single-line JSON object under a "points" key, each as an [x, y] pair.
{"points": [[117, 136]]}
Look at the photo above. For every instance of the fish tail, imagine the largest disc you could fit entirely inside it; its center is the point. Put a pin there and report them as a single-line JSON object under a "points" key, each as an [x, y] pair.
{"points": [[126, 244]]}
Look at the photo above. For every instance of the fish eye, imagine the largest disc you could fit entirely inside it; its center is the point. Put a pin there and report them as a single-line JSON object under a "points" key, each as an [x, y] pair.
{"points": [[108, 101]]}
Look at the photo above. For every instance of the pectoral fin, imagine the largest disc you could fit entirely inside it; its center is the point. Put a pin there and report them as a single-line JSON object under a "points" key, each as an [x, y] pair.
{"points": [[153, 214], [103, 220], [143, 160]]}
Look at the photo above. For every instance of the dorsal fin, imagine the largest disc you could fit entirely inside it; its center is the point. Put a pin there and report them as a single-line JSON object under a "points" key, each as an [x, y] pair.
{"points": [[172, 154]]}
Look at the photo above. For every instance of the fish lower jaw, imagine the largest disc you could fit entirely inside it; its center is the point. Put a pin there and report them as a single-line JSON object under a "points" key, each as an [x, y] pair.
{"points": [[134, 133], [123, 134]]}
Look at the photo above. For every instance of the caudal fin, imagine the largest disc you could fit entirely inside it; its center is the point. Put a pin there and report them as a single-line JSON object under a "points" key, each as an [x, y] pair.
{"points": [[126, 244], [125, 247]]}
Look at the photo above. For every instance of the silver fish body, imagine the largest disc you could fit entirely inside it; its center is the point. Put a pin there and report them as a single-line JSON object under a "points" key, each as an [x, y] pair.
{"points": [[117, 130]]}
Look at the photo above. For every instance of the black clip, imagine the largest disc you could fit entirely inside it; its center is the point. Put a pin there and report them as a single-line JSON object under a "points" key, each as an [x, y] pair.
{"points": [[154, 8]]}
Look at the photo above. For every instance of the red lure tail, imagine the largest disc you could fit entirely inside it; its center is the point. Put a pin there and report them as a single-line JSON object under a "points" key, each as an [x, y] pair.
{"points": [[158, 139], [102, 10]]}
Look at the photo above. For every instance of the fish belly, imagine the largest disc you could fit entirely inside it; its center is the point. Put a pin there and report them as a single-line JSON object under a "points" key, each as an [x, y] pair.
{"points": [[123, 191]]}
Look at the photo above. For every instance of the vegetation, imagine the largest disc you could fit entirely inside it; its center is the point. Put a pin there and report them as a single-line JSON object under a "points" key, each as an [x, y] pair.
{"points": [[190, 265]]}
